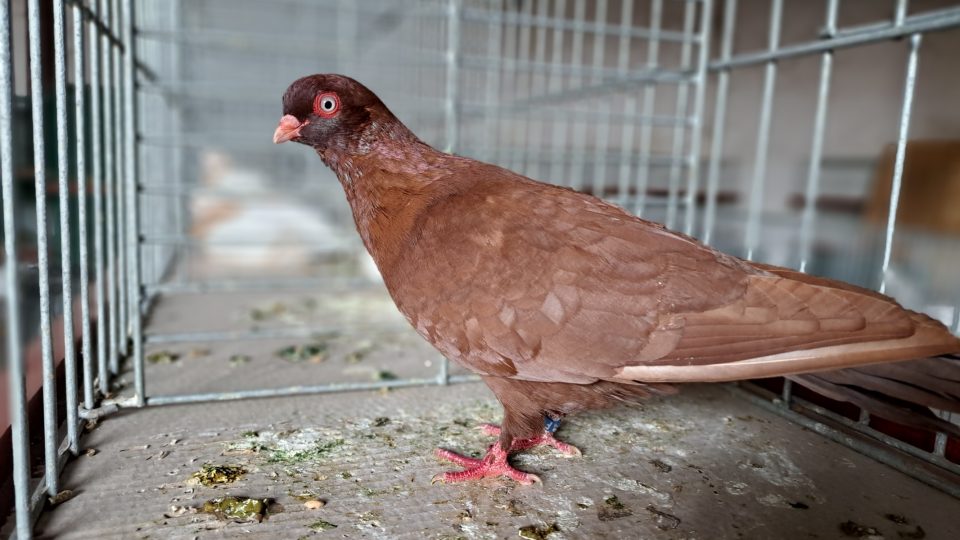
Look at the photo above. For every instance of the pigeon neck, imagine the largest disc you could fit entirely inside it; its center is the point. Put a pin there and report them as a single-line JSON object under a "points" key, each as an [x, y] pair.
{"points": [[390, 177], [382, 144]]}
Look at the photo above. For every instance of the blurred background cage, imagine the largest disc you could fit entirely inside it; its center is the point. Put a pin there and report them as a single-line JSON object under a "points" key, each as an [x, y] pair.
{"points": [[145, 208]]}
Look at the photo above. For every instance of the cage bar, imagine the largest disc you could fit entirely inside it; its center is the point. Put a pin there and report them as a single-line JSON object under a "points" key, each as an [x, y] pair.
{"points": [[679, 133], [601, 138], [134, 271], [649, 101], [80, 135], [575, 25], [63, 183], [578, 129], [816, 145], [110, 182], [930, 21], [752, 237], [560, 125], [696, 119], [451, 112], [533, 127], [116, 73], [909, 83], [99, 218], [492, 90], [630, 104], [16, 368], [719, 122], [51, 472]]}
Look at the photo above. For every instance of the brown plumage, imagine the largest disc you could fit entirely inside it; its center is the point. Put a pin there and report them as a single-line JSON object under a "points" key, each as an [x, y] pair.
{"points": [[563, 302]]}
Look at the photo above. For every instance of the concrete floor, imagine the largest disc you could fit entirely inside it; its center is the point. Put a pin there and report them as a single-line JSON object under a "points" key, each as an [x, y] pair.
{"points": [[703, 464]]}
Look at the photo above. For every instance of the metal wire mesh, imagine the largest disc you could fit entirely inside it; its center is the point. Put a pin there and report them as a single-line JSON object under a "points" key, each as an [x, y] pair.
{"points": [[174, 101]]}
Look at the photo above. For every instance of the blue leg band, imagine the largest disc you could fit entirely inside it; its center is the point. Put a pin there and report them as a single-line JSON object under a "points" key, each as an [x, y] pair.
{"points": [[551, 424]]}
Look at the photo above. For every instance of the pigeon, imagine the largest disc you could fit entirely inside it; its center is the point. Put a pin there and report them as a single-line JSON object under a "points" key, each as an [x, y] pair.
{"points": [[562, 302]]}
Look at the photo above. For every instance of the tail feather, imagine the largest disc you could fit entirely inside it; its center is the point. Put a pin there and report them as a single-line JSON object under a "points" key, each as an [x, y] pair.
{"points": [[903, 392]]}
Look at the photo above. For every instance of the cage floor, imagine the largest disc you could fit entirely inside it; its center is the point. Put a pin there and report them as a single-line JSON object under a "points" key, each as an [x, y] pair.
{"points": [[703, 464]]}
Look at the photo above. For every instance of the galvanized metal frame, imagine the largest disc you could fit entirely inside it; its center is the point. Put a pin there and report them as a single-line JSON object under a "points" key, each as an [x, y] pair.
{"points": [[125, 280], [94, 30], [15, 369], [831, 39]]}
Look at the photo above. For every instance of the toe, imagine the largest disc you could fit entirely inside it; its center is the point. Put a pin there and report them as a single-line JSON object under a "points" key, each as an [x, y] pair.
{"points": [[568, 450], [526, 479], [454, 457]]}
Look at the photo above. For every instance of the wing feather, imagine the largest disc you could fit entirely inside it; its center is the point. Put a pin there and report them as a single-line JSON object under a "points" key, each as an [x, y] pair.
{"points": [[570, 289]]}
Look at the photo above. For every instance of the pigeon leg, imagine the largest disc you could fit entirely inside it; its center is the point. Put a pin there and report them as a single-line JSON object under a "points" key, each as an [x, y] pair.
{"points": [[551, 424], [493, 464]]}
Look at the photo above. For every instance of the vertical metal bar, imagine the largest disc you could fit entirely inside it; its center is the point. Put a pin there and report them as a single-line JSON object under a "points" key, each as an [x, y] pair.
{"points": [[910, 82], [647, 108], [109, 193], [443, 375], [752, 236], [679, 130], [134, 270], [816, 145], [505, 126], [956, 319], [533, 128], [180, 208], [900, 12], [79, 79], [43, 266], [508, 85], [491, 120], [178, 23], [523, 51], [63, 188], [452, 105], [719, 121], [578, 144], [786, 396], [696, 127], [15, 357], [602, 122], [452, 108], [118, 163], [627, 129], [940, 444], [99, 260], [558, 123]]}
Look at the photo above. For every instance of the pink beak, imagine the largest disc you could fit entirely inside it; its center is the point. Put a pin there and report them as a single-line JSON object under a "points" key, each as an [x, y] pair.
{"points": [[288, 129]]}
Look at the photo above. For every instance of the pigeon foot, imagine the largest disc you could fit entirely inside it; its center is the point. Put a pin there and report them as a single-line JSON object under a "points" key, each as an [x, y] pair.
{"points": [[493, 464]]}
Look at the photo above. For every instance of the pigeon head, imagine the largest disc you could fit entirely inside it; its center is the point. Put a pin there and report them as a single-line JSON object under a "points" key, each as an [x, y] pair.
{"points": [[327, 111]]}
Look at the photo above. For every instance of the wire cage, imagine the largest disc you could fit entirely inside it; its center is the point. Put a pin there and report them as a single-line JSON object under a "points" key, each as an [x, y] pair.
{"points": [[742, 123]]}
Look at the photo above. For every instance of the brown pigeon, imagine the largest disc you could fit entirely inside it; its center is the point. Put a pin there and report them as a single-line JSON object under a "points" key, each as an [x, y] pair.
{"points": [[562, 302]]}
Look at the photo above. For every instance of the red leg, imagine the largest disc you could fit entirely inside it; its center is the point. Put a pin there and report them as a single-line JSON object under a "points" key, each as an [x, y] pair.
{"points": [[493, 464], [546, 438]]}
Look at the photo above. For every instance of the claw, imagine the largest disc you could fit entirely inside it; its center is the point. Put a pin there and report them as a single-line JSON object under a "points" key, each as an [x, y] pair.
{"points": [[567, 450]]}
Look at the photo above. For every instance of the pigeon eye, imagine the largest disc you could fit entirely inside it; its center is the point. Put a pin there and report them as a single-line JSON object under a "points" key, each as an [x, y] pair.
{"points": [[326, 105]]}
